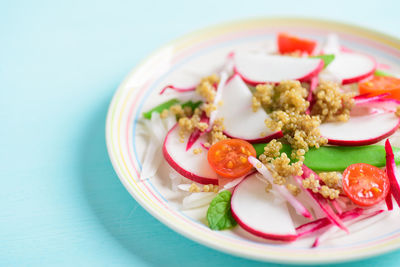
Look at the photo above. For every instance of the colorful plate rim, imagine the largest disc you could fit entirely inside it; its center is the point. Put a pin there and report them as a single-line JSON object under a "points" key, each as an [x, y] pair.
{"points": [[120, 124]]}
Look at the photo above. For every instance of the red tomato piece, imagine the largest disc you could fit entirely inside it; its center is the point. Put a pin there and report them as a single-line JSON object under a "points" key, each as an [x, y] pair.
{"points": [[380, 85], [364, 184], [288, 44], [229, 157]]}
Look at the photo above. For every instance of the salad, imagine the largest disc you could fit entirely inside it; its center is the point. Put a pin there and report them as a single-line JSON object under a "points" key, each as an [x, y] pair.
{"points": [[286, 143]]}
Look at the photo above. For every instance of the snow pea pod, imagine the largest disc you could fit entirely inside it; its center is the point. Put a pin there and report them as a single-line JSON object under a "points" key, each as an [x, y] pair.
{"points": [[338, 158], [168, 104]]}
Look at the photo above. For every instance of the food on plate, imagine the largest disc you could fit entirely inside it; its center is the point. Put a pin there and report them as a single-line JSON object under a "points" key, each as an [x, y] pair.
{"points": [[287, 144]]}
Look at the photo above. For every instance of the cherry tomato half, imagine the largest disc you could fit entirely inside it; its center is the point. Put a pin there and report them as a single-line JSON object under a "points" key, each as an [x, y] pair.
{"points": [[229, 157], [288, 43], [380, 85], [364, 184]]}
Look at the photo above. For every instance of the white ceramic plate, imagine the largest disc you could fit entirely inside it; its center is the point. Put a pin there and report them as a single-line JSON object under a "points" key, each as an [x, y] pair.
{"points": [[183, 62]]}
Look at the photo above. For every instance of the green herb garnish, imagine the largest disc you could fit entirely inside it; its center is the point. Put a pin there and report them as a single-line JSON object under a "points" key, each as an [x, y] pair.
{"points": [[219, 214]]}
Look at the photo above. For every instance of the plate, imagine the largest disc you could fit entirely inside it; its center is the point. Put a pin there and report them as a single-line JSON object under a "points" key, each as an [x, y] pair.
{"points": [[184, 61]]}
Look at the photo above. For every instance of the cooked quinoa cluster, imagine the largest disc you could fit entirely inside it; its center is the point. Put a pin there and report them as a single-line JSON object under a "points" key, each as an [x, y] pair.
{"points": [[206, 87], [314, 184], [288, 107], [194, 188], [397, 111], [331, 104], [190, 120]]}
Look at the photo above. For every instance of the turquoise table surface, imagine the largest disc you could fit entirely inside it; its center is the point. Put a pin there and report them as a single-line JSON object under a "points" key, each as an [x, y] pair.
{"points": [[61, 204]]}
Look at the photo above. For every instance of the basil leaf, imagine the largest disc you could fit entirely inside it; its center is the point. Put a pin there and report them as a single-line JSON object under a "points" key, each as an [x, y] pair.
{"points": [[219, 214], [326, 58]]}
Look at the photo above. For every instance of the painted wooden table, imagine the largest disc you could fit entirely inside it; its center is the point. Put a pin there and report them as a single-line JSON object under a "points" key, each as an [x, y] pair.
{"points": [[60, 63]]}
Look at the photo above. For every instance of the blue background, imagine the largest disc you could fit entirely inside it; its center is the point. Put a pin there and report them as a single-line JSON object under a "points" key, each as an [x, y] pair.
{"points": [[60, 63]]}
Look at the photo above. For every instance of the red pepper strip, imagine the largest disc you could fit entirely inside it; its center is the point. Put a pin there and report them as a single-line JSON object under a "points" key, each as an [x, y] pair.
{"points": [[391, 172], [389, 201], [196, 132]]}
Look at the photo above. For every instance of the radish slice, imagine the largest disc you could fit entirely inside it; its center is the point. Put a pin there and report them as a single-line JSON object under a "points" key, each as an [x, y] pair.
{"points": [[379, 101], [349, 67], [261, 68], [282, 190], [224, 74], [363, 128], [331, 45], [177, 89], [239, 118], [355, 217], [391, 173], [365, 99], [192, 166], [258, 213]]}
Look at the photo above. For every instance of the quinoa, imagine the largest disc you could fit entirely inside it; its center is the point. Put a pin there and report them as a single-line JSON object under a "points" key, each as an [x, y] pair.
{"points": [[397, 111], [164, 113], [313, 184], [268, 188], [177, 110], [208, 108], [188, 111], [300, 131], [290, 97], [296, 53], [206, 87], [331, 179], [194, 188], [331, 104], [280, 167], [293, 189], [216, 133], [188, 125], [327, 192], [210, 188], [288, 103], [197, 151], [263, 96], [271, 150]]}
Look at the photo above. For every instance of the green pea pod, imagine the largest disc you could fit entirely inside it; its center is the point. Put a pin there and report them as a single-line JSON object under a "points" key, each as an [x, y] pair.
{"points": [[260, 149], [160, 108], [168, 104], [338, 158], [381, 73]]}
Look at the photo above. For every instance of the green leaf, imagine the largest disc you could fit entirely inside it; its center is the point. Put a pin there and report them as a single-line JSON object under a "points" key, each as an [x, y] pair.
{"points": [[192, 104], [326, 58], [160, 108], [219, 214], [382, 73], [168, 104], [286, 148]]}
